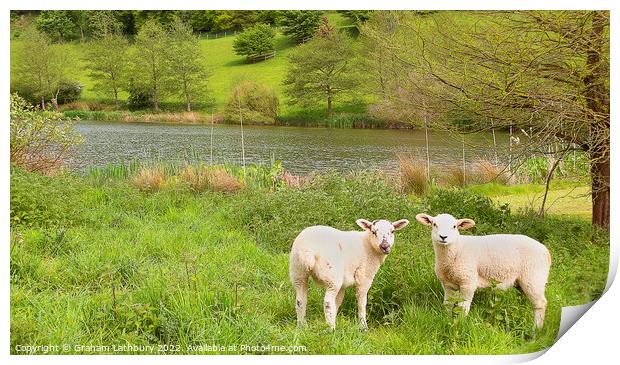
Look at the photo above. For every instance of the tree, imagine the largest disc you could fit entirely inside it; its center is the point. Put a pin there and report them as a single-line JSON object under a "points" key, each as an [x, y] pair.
{"points": [[321, 69], [107, 58], [300, 24], [254, 41], [41, 67], [57, 24], [81, 21], [544, 70], [187, 62], [152, 60]]}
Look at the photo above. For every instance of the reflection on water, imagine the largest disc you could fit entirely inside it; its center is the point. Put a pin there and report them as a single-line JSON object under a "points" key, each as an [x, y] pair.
{"points": [[299, 149]]}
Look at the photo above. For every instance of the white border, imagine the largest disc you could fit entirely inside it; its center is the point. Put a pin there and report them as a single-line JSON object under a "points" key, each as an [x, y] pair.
{"points": [[593, 338]]}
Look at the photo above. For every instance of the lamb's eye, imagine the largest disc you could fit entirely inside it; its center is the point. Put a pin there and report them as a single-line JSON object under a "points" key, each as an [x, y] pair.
{"points": [[454, 226], [434, 224]]}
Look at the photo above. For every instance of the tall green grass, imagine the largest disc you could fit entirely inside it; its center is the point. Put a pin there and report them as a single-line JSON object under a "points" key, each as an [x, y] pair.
{"points": [[103, 263]]}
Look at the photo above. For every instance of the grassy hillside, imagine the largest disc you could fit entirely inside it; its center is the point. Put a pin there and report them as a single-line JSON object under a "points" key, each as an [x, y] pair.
{"points": [[225, 68]]}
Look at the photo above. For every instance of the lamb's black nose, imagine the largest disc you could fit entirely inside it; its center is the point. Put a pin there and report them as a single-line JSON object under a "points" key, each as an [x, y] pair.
{"points": [[443, 238]]}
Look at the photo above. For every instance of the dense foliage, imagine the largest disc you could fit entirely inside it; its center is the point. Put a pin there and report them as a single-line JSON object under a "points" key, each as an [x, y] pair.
{"points": [[301, 24], [255, 41]]}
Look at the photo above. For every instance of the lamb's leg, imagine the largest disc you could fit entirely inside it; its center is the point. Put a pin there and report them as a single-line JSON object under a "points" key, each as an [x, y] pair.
{"points": [[339, 299], [535, 292], [301, 290], [329, 305], [362, 294], [448, 292], [467, 291]]}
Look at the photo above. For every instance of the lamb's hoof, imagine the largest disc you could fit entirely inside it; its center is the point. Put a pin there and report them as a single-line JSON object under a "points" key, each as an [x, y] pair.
{"points": [[364, 327]]}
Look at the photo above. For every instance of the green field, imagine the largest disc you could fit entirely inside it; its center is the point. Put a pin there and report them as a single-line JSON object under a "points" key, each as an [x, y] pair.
{"points": [[95, 261], [225, 69], [565, 198]]}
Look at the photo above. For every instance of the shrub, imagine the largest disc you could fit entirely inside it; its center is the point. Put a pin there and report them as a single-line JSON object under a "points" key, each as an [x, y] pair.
{"points": [[255, 41], [139, 98], [259, 103], [413, 175], [40, 140], [150, 179], [69, 91]]}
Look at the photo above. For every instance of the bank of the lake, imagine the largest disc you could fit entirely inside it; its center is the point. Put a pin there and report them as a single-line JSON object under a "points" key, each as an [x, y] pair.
{"points": [[297, 119]]}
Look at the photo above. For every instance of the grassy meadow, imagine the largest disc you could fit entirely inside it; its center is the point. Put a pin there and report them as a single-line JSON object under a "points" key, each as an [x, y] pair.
{"points": [[97, 261], [225, 69]]}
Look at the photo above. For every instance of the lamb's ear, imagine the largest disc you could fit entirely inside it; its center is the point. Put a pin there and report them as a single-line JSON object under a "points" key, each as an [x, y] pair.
{"points": [[425, 219], [365, 224], [400, 224], [465, 223]]}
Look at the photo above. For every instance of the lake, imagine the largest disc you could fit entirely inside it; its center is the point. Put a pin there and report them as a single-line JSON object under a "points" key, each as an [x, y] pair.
{"points": [[300, 150]]}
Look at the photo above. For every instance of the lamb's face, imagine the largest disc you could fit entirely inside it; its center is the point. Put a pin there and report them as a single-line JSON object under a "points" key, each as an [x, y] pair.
{"points": [[382, 232], [445, 228]]}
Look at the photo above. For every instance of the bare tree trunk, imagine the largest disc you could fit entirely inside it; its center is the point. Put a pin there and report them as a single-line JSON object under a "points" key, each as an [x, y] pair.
{"points": [[55, 100], [600, 193], [330, 111], [598, 102], [155, 101], [116, 98], [43, 102], [556, 162]]}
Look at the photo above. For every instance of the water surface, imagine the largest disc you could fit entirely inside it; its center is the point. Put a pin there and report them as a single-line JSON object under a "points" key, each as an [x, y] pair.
{"points": [[299, 149]]}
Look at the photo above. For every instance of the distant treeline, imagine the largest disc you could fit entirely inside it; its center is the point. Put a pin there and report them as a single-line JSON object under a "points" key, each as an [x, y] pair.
{"points": [[66, 25]]}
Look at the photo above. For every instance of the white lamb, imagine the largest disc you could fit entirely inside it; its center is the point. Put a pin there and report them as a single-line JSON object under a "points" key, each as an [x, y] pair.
{"points": [[337, 260], [465, 263]]}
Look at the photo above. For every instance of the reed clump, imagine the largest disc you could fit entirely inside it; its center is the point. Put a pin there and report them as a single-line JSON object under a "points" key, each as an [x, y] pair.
{"points": [[201, 178], [195, 178], [413, 175], [485, 171], [150, 179], [219, 180]]}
